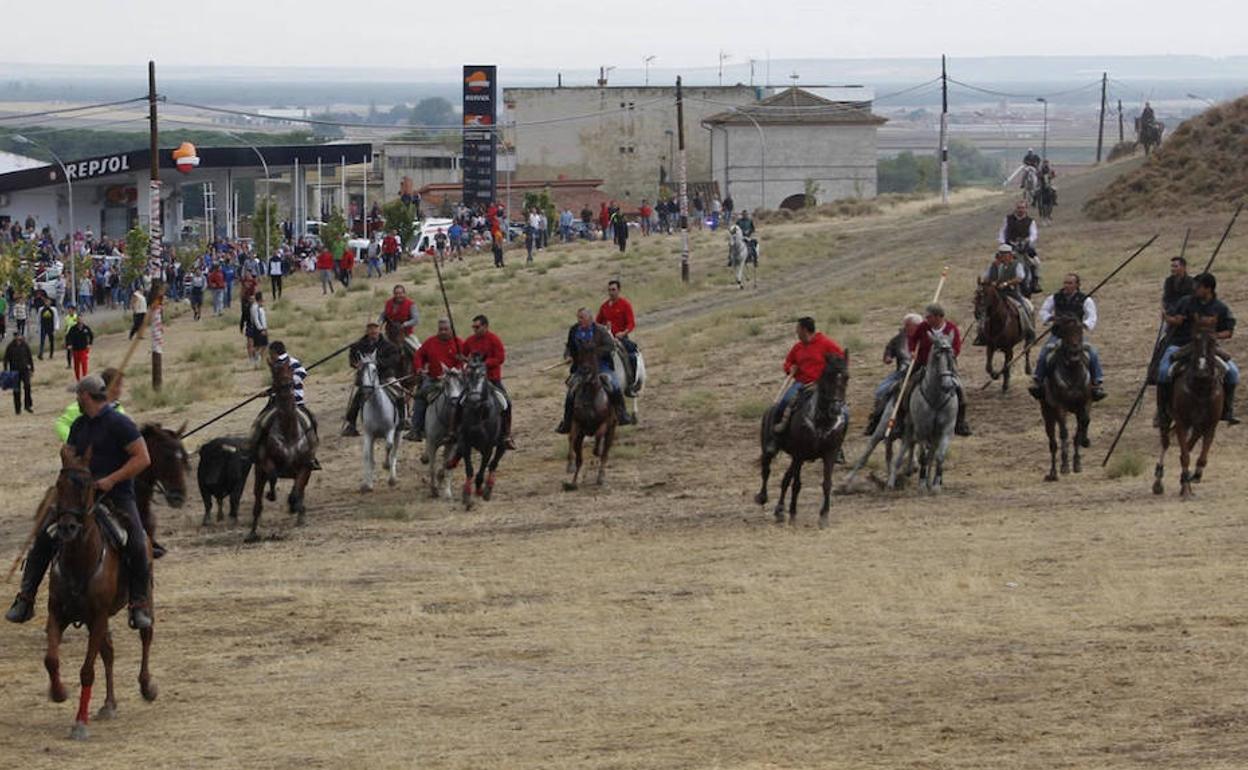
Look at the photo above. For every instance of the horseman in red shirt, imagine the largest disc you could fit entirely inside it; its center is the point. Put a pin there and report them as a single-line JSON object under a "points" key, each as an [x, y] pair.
{"points": [[921, 347], [485, 343], [435, 355], [401, 313], [804, 363], [617, 315]]}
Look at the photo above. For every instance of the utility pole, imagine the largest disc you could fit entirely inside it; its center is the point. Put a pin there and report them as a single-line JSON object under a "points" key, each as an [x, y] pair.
{"points": [[1121, 137], [684, 184], [1100, 132], [155, 231], [944, 131]]}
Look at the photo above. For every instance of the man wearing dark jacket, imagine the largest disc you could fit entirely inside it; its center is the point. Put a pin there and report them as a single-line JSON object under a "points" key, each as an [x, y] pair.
{"points": [[18, 358], [585, 335], [389, 363], [79, 339]]}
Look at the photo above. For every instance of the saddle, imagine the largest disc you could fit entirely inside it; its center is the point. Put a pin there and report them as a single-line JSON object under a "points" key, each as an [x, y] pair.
{"points": [[1182, 358]]}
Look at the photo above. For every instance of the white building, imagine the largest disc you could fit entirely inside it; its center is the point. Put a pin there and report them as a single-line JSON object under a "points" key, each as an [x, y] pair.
{"points": [[771, 154]]}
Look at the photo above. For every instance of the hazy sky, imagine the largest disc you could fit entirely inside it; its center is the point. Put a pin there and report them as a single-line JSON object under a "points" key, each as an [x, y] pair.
{"points": [[586, 34]]}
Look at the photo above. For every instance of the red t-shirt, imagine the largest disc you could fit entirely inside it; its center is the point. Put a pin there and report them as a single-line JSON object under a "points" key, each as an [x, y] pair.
{"points": [[399, 311], [490, 348], [921, 344], [325, 260], [806, 359], [618, 315], [348, 258], [390, 245], [438, 354]]}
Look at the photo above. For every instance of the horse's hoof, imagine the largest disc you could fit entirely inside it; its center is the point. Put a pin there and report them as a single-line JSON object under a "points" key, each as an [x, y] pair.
{"points": [[1065, 468], [1158, 487], [252, 537], [271, 496], [1050, 477], [823, 521], [1197, 476], [570, 469], [393, 482], [760, 498], [206, 522], [107, 711], [1078, 466], [478, 491], [366, 488], [149, 691], [488, 492], [56, 693], [299, 519], [78, 732], [569, 486]]}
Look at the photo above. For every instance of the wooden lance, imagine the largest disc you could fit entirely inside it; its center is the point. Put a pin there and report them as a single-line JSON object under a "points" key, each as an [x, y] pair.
{"points": [[892, 418]]}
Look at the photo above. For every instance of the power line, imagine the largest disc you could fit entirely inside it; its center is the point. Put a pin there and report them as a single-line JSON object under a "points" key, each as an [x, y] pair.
{"points": [[24, 116], [992, 92]]}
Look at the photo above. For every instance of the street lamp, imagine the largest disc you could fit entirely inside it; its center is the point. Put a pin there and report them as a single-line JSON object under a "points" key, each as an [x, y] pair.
{"points": [[723, 57], [1044, 146], [69, 183], [645, 61], [268, 226], [762, 144], [1005, 132]]}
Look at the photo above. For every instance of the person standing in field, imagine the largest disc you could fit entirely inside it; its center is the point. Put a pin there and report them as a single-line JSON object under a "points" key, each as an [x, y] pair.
{"points": [[79, 340], [325, 268], [258, 326], [17, 358]]}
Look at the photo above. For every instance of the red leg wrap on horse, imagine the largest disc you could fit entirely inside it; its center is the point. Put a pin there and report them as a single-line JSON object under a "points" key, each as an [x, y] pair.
{"points": [[84, 704]]}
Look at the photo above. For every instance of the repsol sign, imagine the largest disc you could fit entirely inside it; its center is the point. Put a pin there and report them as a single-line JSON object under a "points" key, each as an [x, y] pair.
{"points": [[85, 169]]}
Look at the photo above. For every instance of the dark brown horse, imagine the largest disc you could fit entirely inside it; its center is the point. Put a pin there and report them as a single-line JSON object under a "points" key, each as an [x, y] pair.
{"points": [[816, 430], [285, 449], [88, 585], [166, 474], [592, 415], [1195, 407], [1003, 329], [1067, 390], [479, 428]]}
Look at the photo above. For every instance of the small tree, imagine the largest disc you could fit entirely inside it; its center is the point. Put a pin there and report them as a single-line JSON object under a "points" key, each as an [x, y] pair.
{"points": [[132, 266], [401, 218], [541, 201], [265, 220], [334, 232], [811, 192]]}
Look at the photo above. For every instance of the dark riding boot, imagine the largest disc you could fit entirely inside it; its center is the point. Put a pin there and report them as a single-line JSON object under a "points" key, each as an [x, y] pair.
{"points": [[1098, 391], [1228, 406], [37, 561], [417, 432], [621, 410], [979, 334], [139, 567], [782, 424], [1163, 405], [565, 425], [353, 412], [961, 428], [507, 440], [1036, 389]]}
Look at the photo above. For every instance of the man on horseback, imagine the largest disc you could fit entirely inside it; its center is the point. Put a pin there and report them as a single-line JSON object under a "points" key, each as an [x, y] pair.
{"points": [[1204, 306], [1019, 231], [585, 335], [896, 352], [436, 354], [1148, 119], [117, 455], [804, 363], [489, 346], [1072, 303], [617, 315], [934, 322], [1008, 275], [279, 357], [747, 232], [1177, 286], [401, 312], [388, 366], [1031, 158]]}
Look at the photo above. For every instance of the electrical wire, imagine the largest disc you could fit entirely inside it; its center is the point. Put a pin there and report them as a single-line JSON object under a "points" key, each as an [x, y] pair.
{"points": [[24, 116], [992, 92]]}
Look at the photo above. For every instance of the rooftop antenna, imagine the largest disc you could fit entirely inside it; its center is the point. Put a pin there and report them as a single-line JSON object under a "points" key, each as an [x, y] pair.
{"points": [[794, 78], [723, 57], [645, 61], [752, 63]]}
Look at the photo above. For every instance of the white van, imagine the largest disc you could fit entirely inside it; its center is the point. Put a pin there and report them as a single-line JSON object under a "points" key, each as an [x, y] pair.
{"points": [[428, 229]]}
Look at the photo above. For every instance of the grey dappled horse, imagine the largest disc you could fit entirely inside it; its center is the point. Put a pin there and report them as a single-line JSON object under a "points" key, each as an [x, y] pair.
{"points": [[379, 417], [438, 436], [933, 413], [881, 435], [632, 378]]}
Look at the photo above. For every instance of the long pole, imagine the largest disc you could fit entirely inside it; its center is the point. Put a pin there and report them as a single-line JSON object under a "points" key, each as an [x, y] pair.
{"points": [[364, 210], [1100, 132], [684, 184], [892, 418], [1162, 340], [944, 132], [1010, 361], [762, 144], [1121, 137], [268, 226], [342, 187], [445, 302], [320, 199], [154, 207]]}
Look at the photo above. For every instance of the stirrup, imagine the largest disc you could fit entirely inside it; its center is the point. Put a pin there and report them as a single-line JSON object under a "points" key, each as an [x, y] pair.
{"points": [[140, 615], [22, 601]]}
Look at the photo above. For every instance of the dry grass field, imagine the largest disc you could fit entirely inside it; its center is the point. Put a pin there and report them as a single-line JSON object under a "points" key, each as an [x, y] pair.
{"points": [[663, 621]]}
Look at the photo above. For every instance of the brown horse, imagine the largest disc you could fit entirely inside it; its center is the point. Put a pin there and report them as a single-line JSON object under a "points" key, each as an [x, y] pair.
{"points": [[592, 415], [88, 585], [816, 431], [285, 449], [166, 474], [1067, 390], [1196, 397], [1003, 329]]}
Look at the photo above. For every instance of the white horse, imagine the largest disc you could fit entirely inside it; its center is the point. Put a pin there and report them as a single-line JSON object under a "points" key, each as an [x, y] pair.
{"points": [[738, 253], [932, 416], [632, 379], [380, 420], [438, 446], [880, 435]]}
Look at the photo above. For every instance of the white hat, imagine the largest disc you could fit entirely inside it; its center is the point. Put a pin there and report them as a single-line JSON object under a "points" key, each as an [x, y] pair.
{"points": [[1005, 248]]}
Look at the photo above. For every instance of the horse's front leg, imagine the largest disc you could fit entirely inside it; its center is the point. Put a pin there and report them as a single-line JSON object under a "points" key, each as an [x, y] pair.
{"points": [[109, 709], [367, 451], [607, 436], [146, 686], [784, 489], [1081, 436], [989, 351], [1005, 369], [1065, 434], [1183, 439], [86, 676], [1159, 485], [392, 456], [297, 494], [466, 492], [260, 480], [829, 460], [1050, 427], [52, 658], [942, 450], [797, 488], [765, 463]]}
